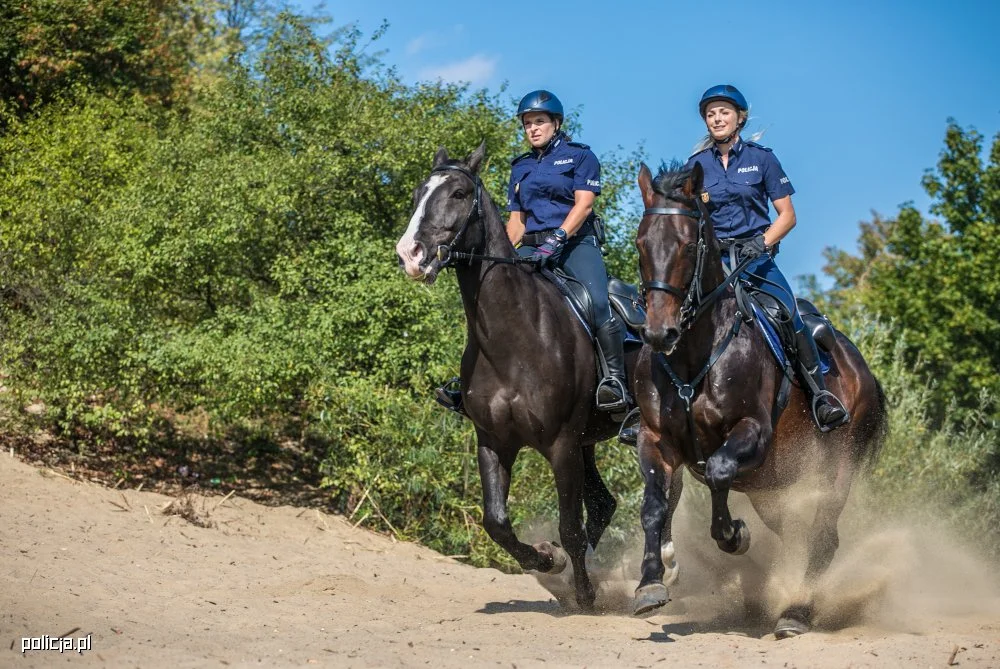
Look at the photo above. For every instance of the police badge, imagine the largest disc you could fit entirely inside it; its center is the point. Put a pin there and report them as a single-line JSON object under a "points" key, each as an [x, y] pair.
{"points": [[704, 197]]}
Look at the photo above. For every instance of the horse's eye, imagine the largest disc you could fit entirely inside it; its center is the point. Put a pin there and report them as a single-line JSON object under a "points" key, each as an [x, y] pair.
{"points": [[458, 195]]}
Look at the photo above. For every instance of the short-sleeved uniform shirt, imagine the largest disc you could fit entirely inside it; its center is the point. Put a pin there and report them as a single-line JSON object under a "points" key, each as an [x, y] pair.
{"points": [[543, 186], [739, 195]]}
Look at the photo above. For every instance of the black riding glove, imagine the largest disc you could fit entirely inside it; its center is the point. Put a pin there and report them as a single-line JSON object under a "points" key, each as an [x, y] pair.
{"points": [[753, 248], [550, 250]]}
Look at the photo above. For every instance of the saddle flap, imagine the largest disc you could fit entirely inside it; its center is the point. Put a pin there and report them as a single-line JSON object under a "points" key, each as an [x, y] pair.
{"points": [[625, 299], [576, 293]]}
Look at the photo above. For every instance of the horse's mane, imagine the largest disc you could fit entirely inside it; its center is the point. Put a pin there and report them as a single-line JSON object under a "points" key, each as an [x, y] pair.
{"points": [[670, 180]]}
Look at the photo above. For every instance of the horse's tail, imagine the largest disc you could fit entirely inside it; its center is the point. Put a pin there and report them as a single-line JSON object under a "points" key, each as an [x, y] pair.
{"points": [[873, 438]]}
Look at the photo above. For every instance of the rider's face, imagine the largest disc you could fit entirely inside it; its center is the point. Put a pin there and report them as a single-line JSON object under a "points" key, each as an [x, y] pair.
{"points": [[539, 128], [722, 119]]}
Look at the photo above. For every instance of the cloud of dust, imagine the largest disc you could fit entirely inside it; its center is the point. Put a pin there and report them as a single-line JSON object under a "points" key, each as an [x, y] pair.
{"points": [[902, 573]]}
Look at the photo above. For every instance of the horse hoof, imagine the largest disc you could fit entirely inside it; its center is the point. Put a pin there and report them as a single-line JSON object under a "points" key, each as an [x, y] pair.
{"points": [[649, 597], [667, 555], [739, 543], [789, 627], [555, 554]]}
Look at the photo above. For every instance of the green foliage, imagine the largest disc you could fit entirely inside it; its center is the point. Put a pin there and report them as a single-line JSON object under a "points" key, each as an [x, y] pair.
{"points": [[949, 467], [51, 47], [937, 280]]}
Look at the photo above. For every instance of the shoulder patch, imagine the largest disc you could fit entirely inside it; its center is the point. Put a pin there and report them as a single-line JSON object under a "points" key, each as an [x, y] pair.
{"points": [[758, 146], [517, 158]]}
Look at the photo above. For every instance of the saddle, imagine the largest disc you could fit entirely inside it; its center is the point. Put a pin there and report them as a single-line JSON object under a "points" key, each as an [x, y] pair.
{"points": [[625, 300], [775, 324]]}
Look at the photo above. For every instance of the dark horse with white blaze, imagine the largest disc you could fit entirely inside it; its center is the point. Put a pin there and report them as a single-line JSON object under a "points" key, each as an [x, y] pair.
{"points": [[707, 389], [529, 371]]}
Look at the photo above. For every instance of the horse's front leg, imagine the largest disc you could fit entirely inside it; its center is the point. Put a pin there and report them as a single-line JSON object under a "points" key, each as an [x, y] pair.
{"points": [[568, 467], [659, 474], [744, 449], [494, 471]]}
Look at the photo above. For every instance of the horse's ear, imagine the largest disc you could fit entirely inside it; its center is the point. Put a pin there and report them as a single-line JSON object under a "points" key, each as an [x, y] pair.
{"points": [[440, 156], [475, 158], [646, 185], [692, 187]]}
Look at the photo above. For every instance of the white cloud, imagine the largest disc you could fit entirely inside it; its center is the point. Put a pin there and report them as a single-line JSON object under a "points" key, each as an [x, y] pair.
{"points": [[418, 44], [475, 70]]}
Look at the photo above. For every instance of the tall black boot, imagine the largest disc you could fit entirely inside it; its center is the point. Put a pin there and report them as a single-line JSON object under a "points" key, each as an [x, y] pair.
{"points": [[828, 411], [612, 392]]}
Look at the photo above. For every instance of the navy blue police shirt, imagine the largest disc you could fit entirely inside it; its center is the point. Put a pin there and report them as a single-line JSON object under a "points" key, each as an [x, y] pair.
{"points": [[542, 186], [739, 195]]}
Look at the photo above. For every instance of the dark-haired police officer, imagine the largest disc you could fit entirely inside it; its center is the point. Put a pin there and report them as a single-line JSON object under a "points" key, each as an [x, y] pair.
{"points": [[740, 178], [550, 198]]}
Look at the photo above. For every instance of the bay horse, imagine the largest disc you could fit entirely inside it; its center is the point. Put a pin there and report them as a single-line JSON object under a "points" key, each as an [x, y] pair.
{"points": [[529, 371], [707, 391]]}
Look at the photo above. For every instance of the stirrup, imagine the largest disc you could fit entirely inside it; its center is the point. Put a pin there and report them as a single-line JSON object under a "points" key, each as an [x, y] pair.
{"points": [[615, 385], [450, 396], [834, 401], [628, 433]]}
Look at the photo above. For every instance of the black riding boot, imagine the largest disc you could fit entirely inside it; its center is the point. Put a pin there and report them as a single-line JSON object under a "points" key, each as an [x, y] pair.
{"points": [[828, 411], [612, 393]]}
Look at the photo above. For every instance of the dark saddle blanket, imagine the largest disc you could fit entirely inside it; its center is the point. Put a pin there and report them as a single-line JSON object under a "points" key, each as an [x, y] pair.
{"points": [[625, 299], [775, 324]]}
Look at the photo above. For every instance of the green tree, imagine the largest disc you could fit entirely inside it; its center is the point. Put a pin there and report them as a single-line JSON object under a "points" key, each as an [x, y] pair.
{"points": [[936, 278]]}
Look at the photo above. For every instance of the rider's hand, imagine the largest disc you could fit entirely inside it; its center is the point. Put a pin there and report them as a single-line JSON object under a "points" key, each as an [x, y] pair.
{"points": [[550, 250], [753, 248]]}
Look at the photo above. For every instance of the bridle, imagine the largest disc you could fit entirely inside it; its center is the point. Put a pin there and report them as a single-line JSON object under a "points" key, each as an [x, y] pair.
{"points": [[695, 301], [446, 254]]}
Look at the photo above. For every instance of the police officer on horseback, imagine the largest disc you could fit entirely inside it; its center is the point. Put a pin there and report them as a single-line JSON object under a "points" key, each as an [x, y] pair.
{"points": [[740, 177], [552, 222]]}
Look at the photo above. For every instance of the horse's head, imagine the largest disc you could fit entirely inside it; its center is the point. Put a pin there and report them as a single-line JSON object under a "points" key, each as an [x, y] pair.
{"points": [[671, 245], [445, 207]]}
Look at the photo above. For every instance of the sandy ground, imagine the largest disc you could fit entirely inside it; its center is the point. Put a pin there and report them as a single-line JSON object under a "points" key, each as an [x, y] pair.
{"points": [[283, 586]]}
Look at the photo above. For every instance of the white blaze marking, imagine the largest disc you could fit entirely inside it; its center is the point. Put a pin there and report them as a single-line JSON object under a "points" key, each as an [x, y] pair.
{"points": [[406, 247]]}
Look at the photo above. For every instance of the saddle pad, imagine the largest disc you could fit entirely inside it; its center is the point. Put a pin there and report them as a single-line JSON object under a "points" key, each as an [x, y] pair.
{"points": [[774, 341]]}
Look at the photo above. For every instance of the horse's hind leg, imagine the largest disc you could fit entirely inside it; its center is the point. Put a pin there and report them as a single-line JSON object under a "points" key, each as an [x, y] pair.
{"points": [[822, 544], [599, 502], [494, 471]]}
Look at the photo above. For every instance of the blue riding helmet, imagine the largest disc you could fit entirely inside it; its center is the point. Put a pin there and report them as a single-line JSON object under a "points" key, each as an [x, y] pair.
{"points": [[540, 101], [726, 92]]}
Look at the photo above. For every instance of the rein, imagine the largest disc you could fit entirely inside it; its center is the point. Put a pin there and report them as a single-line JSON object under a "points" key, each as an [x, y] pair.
{"points": [[695, 304], [446, 254]]}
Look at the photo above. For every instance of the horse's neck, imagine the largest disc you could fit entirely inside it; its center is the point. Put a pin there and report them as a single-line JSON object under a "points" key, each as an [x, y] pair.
{"points": [[701, 338], [474, 275]]}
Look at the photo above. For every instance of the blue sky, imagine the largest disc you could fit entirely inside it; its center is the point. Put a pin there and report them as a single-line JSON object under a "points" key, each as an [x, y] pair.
{"points": [[854, 96]]}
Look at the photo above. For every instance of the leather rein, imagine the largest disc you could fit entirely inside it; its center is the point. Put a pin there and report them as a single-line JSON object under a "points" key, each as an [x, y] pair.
{"points": [[695, 303]]}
